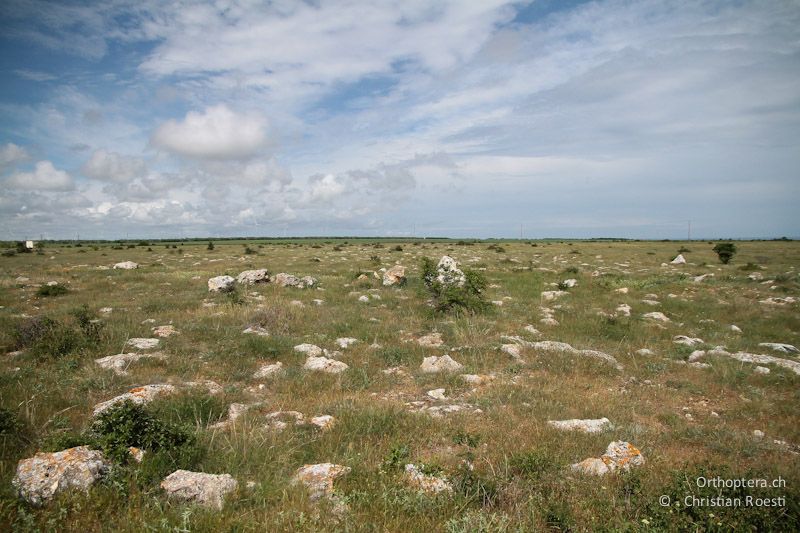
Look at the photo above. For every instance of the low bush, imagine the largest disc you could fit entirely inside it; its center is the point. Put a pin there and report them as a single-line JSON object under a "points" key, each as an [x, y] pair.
{"points": [[52, 290], [467, 297], [725, 251]]}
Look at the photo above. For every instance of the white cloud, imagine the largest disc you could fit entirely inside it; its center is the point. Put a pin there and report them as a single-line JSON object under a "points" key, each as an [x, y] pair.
{"points": [[324, 188], [216, 133], [113, 167], [45, 177], [11, 154]]}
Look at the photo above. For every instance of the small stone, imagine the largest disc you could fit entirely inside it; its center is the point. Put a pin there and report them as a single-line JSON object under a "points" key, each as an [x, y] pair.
{"points": [[309, 349], [596, 425], [619, 456], [126, 265], [780, 347], [143, 344], [431, 340], [758, 434], [164, 331], [426, 482], [256, 330], [761, 370], [687, 341], [319, 478], [645, 352], [514, 350], [138, 395], [268, 370], [736, 329], [437, 394], [345, 342], [323, 364], [657, 316], [323, 422], [119, 363], [477, 379]]}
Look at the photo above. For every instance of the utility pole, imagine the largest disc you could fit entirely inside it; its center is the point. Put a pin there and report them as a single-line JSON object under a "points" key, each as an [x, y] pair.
{"points": [[689, 231]]}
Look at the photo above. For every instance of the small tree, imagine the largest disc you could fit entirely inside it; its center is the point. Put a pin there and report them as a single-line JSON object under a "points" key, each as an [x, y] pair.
{"points": [[210, 246], [725, 251]]}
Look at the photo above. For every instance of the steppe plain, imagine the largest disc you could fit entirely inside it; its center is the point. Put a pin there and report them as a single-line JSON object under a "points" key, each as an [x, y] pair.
{"points": [[506, 467]]}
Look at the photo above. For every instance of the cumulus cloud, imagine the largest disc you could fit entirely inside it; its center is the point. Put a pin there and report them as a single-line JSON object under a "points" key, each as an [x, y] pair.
{"points": [[216, 133], [113, 167], [323, 188], [45, 177]]}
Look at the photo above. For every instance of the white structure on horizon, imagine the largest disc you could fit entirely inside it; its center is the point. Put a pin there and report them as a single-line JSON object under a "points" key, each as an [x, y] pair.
{"points": [[29, 245]]}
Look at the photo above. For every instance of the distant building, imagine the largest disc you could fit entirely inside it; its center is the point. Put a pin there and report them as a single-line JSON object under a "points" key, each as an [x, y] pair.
{"points": [[29, 245]]}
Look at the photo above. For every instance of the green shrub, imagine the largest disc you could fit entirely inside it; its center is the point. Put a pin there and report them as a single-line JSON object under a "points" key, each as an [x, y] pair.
{"points": [[47, 338], [725, 251], [451, 297], [397, 458], [52, 290], [9, 252], [210, 246]]}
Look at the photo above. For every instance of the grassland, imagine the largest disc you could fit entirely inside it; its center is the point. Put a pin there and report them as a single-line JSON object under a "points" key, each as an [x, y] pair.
{"points": [[688, 422]]}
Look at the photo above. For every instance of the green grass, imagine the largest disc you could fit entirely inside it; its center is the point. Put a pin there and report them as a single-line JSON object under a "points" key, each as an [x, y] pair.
{"points": [[519, 480]]}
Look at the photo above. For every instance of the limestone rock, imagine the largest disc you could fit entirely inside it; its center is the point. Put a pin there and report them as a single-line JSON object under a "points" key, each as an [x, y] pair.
{"points": [[138, 395], [477, 379], [143, 344], [126, 265], [268, 370], [323, 422], [437, 394], [44, 475], [288, 280], [323, 364], [514, 350], [444, 363], [221, 284], [394, 276], [249, 277], [119, 363], [658, 316], [680, 260], [552, 295], [745, 357], [309, 349], [345, 342], [687, 341], [780, 347], [256, 330], [569, 283], [448, 273], [596, 425], [430, 484], [554, 346], [208, 490], [619, 455], [319, 478]]}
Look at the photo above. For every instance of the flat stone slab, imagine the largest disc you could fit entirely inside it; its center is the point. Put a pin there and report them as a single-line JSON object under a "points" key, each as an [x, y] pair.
{"points": [[592, 425], [207, 490]]}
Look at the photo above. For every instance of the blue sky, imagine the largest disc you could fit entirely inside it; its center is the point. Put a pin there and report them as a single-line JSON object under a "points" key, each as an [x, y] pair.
{"points": [[461, 118]]}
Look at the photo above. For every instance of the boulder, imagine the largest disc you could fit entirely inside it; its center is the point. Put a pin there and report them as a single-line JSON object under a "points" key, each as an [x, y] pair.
{"points": [[619, 455], [221, 284], [680, 260], [288, 280], [394, 276], [44, 475], [249, 277], [311, 350], [207, 490], [444, 363], [126, 265]]}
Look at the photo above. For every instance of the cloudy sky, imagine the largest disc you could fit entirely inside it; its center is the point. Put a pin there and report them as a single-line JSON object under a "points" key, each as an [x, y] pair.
{"points": [[482, 118]]}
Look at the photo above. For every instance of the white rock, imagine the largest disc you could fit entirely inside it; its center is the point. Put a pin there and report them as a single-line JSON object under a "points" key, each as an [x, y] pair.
{"points": [[780, 347], [794, 366], [448, 272], [736, 329], [249, 277], [554, 346], [698, 279], [221, 284], [319, 478], [651, 302], [105, 310], [552, 295], [758, 434], [477, 379], [126, 265], [645, 352], [532, 330], [143, 344], [444, 363], [256, 330], [309, 349], [623, 309], [324, 364], [622, 290], [658, 316], [678, 260], [345, 342], [207, 490], [696, 355], [44, 475], [424, 482], [138, 395], [780, 302], [756, 276], [687, 341], [363, 299], [591, 425], [549, 321], [514, 350], [394, 276], [323, 422], [569, 283], [268, 370], [119, 363], [761, 370], [437, 394]]}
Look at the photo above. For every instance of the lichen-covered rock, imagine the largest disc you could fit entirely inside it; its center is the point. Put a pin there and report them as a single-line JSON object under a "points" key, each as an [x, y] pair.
{"points": [[591, 425], [288, 280], [780, 347], [208, 490], [619, 455], [430, 484], [126, 265], [448, 273], [249, 277], [394, 276], [221, 284], [323, 364], [311, 350], [138, 395], [165, 331], [444, 363], [319, 478], [42, 476], [431, 340]]}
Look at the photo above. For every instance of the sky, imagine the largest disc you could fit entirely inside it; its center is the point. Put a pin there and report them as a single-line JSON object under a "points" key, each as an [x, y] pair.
{"points": [[463, 118]]}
